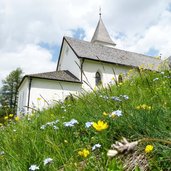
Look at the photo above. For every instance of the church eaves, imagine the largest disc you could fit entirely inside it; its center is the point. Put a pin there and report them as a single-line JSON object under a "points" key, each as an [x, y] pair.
{"points": [[101, 35]]}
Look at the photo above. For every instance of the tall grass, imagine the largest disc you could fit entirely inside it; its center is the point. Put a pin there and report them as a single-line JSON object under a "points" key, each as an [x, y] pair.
{"points": [[145, 103]]}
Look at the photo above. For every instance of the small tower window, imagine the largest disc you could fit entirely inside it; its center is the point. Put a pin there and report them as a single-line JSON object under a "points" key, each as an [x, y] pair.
{"points": [[98, 79]]}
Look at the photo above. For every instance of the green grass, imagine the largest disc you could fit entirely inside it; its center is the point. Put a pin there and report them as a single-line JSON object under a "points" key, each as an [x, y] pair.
{"points": [[24, 143]]}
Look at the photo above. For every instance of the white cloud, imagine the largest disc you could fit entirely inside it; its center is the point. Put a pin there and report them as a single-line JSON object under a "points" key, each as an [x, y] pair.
{"points": [[27, 23]]}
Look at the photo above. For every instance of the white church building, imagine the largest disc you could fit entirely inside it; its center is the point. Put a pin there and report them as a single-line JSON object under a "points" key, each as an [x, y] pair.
{"points": [[81, 66]]}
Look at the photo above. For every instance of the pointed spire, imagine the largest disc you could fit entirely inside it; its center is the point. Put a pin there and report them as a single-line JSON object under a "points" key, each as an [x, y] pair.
{"points": [[101, 34]]}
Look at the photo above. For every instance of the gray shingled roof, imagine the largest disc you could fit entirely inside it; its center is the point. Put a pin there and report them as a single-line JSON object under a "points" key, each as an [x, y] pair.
{"points": [[64, 75], [101, 34], [92, 51]]}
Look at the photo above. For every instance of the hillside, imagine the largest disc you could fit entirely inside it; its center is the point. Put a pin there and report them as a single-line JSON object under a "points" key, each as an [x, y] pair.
{"points": [[77, 134]]}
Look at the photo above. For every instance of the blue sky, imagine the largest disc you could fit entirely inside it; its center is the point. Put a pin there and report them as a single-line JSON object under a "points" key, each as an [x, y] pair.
{"points": [[32, 31]]}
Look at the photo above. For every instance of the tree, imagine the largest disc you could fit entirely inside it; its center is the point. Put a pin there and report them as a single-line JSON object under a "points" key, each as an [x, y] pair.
{"points": [[9, 91]]}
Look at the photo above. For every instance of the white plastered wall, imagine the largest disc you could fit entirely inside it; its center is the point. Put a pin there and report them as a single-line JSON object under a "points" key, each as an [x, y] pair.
{"points": [[69, 61], [108, 72], [23, 96], [43, 91]]}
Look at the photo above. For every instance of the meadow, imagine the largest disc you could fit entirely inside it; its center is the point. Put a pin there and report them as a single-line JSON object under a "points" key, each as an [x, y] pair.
{"points": [[131, 119]]}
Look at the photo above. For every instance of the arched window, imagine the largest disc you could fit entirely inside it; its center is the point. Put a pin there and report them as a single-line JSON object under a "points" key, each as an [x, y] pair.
{"points": [[98, 79], [120, 79]]}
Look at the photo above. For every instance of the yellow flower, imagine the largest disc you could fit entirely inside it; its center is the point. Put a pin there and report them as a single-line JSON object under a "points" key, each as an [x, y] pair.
{"points": [[105, 114], [149, 148], [65, 141], [11, 115], [38, 98], [144, 107], [16, 118], [100, 125], [6, 117], [84, 153]]}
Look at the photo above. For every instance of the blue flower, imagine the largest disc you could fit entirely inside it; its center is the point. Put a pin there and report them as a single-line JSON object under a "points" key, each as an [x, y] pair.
{"points": [[71, 123], [96, 146], [47, 161], [117, 113], [115, 98], [88, 124], [33, 167]]}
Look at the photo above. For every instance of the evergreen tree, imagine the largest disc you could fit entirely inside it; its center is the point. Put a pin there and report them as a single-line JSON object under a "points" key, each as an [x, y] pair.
{"points": [[9, 91]]}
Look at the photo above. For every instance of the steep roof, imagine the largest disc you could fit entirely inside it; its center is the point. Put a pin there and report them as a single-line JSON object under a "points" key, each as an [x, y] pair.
{"points": [[64, 75], [101, 34], [91, 51]]}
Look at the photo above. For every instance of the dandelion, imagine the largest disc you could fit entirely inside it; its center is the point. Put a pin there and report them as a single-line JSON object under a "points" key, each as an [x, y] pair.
{"points": [[16, 118], [100, 125], [33, 167], [88, 124], [6, 117], [11, 115], [84, 153], [149, 148], [47, 161], [96, 146]]}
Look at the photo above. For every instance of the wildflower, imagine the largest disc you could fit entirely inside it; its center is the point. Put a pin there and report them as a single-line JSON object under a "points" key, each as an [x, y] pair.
{"points": [[88, 124], [144, 107], [43, 127], [11, 115], [104, 97], [96, 146], [55, 127], [124, 97], [155, 79], [65, 141], [105, 114], [16, 118], [84, 153], [149, 148], [116, 113], [100, 125], [33, 167], [47, 161], [14, 130], [38, 99], [2, 153], [6, 117], [71, 123], [115, 98]]}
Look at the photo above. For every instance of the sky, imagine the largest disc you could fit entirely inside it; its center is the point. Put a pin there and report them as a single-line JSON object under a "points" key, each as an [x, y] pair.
{"points": [[31, 31]]}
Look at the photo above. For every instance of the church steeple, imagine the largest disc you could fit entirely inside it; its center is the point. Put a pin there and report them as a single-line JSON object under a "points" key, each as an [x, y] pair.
{"points": [[101, 34]]}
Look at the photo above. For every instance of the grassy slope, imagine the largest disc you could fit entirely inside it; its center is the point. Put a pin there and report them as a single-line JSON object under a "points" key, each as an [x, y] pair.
{"points": [[24, 143]]}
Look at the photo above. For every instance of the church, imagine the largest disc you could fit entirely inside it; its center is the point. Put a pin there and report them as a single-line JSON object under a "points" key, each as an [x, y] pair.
{"points": [[81, 66]]}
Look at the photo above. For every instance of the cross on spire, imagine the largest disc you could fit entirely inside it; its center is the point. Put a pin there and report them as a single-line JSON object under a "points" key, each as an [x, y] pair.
{"points": [[100, 12]]}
